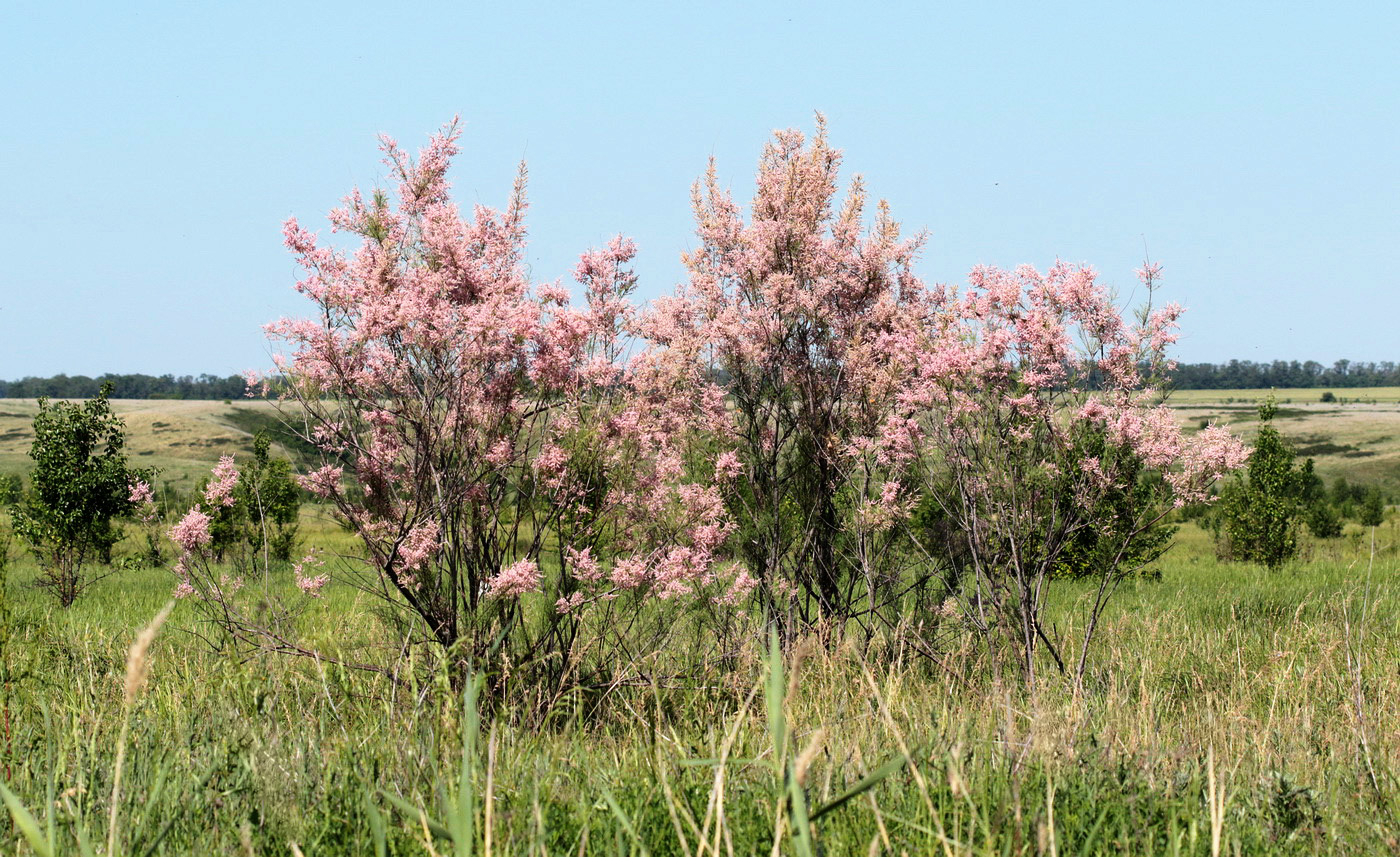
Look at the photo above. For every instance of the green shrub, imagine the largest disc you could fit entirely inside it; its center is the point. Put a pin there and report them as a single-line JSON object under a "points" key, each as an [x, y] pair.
{"points": [[1261, 512], [80, 484], [1372, 512]]}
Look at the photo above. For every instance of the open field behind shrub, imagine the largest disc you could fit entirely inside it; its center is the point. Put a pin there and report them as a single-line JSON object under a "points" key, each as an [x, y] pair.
{"points": [[1291, 395], [1358, 439]]}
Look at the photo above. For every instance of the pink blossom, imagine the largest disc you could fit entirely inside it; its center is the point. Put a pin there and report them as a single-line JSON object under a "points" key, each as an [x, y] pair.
{"points": [[254, 384], [629, 573], [551, 459], [570, 603], [501, 452], [140, 493], [219, 491], [584, 565], [515, 579], [740, 588], [305, 581], [192, 532], [323, 482], [420, 545], [728, 467]]}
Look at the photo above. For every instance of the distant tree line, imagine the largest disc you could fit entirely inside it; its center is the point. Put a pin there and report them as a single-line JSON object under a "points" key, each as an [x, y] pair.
{"points": [[1234, 375], [127, 387], [1248, 375]]}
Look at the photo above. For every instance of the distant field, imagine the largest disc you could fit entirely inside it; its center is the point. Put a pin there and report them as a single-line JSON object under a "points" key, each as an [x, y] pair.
{"points": [[180, 438], [1353, 437], [1291, 396]]}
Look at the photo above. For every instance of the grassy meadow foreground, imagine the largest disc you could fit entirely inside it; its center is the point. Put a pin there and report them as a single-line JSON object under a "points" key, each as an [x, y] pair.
{"points": [[1229, 710]]}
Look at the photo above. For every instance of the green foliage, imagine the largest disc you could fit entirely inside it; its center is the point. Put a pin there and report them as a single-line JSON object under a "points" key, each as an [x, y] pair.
{"points": [[226, 750], [1328, 397], [1320, 514], [263, 518], [1261, 512], [79, 485], [1323, 520], [6, 623], [1361, 503], [1111, 545], [11, 489], [1372, 512], [269, 423], [1346, 496]]}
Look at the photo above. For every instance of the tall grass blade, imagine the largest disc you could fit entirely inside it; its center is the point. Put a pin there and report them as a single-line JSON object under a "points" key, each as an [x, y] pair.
{"points": [[874, 778], [625, 822], [26, 823], [376, 826]]}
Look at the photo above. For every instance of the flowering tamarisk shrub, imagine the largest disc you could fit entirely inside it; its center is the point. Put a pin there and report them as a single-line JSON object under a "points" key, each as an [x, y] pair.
{"points": [[484, 438], [859, 395], [1027, 441], [791, 311]]}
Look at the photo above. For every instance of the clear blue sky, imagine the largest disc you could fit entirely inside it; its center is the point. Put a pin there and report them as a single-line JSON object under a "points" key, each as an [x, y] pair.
{"points": [[151, 150]]}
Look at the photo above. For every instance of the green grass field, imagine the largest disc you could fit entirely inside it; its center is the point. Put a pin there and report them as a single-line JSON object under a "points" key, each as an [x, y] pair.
{"points": [[1229, 710]]}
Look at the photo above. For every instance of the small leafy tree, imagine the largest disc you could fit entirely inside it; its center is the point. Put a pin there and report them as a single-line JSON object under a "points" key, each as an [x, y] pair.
{"points": [[1347, 497], [79, 486], [1323, 520], [273, 500], [1262, 511], [1372, 512], [1319, 513]]}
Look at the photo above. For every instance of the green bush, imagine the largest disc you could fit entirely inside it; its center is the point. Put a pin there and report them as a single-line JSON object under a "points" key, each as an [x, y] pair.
{"points": [[1372, 512], [1260, 512], [80, 484]]}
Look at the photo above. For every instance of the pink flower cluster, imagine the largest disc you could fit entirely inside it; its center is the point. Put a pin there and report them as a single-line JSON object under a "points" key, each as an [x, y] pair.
{"points": [[443, 386], [195, 567], [140, 493], [309, 583], [144, 499], [418, 548], [514, 580], [192, 532], [219, 490]]}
